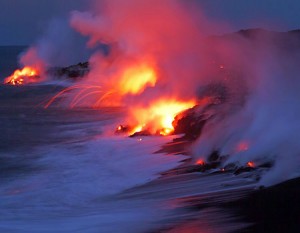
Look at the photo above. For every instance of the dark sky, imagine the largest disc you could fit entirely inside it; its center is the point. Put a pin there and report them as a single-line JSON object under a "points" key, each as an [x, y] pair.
{"points": [[21, 21]]}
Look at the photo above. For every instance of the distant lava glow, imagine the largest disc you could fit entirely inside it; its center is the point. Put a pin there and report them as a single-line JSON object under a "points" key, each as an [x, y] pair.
{"points": [[251, 164], [24, 76], [200, 162]]}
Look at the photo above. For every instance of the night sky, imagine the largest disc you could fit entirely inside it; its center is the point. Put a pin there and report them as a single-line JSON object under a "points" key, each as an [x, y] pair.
{"points": [[22, 21]]}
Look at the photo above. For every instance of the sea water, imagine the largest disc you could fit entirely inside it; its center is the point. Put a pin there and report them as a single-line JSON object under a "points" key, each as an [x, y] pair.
{"points": [[60, 170]]}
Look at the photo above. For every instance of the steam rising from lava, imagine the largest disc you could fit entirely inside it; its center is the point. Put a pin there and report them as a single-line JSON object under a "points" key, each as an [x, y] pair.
{"points": [[266, 127], [59, 46], [24, 76], [32, 71], [154, 59], [160, 58], [258, 121]]}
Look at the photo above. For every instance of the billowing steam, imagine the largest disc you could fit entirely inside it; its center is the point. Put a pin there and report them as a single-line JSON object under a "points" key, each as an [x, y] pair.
{"points": [[155, 57], [259, 120], [156, 37], [59, 46], [266, 128], [160, 58]]}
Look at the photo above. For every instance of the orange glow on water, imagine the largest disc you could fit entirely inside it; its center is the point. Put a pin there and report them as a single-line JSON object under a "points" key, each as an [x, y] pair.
{"points": [[24, 76]]}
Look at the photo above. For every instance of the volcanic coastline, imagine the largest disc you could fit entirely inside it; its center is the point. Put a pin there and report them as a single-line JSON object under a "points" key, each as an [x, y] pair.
{"points": [[207, 196]]}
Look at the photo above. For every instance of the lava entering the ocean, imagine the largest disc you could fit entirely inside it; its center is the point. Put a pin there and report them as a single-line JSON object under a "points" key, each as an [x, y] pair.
{"points": [[132, 80], [157, 118], [26, 75], [162, 60]]}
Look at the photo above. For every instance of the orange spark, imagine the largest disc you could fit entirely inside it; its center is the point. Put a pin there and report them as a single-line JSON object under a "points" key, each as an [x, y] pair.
{"points": [[102, 98], [85, 96], [78, 97]]}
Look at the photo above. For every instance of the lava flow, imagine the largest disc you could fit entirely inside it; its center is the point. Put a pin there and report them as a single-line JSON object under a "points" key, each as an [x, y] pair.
{"points": [[154, 117], [24, 76], [157, 118], [135, 79]]}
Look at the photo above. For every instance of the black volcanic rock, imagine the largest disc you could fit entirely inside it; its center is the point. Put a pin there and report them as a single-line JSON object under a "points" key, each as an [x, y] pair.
{"points": [[73, 72], [287, 41], [191, 122]]}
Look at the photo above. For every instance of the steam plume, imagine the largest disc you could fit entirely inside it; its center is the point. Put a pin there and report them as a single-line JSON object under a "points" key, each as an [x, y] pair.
{"points": [[167, 47]]}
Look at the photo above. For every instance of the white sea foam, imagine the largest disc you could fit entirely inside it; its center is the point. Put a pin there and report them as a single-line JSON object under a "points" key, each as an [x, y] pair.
{"points": [[80, 180]]}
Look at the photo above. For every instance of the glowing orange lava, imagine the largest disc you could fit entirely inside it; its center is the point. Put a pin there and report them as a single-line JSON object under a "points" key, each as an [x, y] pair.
{"points": [[251, 164], [24, 76], [155, 117], [135, 79], [158, 117], [200, 162]]}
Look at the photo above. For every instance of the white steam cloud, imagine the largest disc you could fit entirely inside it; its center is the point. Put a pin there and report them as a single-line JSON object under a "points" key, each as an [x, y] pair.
{"points": [[59, 46]]}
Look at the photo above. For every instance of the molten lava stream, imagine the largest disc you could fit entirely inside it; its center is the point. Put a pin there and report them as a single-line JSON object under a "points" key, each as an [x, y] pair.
{"points": [[159, 116], [136, 78], [24, 76]]}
